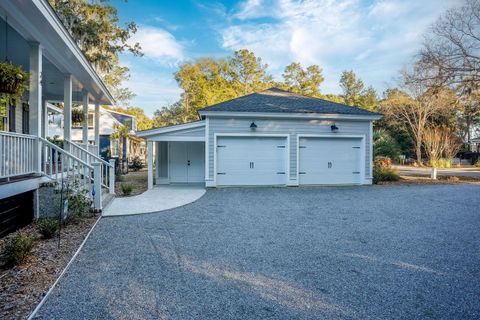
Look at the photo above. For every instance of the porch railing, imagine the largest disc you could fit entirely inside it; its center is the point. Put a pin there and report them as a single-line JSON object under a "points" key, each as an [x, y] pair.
{"points": [[90, 148], [17, 154], [107, 169], [58, 164]]}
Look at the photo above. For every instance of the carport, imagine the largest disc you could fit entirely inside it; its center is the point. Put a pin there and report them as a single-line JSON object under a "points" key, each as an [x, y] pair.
{"points": [[176, 154]]}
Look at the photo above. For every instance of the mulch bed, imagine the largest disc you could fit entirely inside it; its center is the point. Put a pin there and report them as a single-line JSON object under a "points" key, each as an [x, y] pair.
{"points": [[423, 179], [138, 179], [22, 287]]}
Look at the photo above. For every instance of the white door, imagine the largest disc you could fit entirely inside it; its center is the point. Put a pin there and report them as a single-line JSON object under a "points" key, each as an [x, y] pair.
{"points": [[187, 162], [328, 161], [251, 161]]}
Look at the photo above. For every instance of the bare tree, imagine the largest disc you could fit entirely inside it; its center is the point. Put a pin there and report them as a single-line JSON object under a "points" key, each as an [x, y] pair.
{"points": [[452, 48], [417, 103]]}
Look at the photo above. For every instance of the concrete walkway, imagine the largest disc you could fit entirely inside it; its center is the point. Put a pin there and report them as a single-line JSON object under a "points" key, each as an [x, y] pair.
{"points": [[158, 199], [464, 172]]}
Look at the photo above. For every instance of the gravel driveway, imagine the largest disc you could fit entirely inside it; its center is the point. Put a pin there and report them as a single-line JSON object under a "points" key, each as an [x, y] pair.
{"points": [[378, 252]]}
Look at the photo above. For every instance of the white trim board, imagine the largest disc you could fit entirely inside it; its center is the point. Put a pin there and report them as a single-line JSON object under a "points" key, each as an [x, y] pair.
{"points": [[178, 127]]}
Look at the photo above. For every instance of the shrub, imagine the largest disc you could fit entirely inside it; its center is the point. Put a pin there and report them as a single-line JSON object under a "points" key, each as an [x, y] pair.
{"points": [[48, 227], [127, 188], [383, 162], [477, 164], [136, 164], [383, 171], [79, 203], [17, 248], [385, 145], [385, 174]]}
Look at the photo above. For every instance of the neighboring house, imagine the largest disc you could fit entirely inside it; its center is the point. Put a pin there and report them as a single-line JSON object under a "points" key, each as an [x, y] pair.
{"points": [[273, 137], [124, 149], [33, 36]]}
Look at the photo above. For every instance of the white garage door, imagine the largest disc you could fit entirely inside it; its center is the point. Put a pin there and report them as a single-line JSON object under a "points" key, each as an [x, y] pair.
{"points": [[328, 161], [251, 161]]}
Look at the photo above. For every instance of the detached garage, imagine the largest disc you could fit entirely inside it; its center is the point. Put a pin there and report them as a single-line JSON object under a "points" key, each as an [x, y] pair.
{"points": [[269, 138]]}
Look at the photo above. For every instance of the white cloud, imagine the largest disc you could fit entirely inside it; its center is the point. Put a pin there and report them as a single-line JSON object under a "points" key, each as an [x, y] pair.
{"points": [[159, 45], [372, 39]]}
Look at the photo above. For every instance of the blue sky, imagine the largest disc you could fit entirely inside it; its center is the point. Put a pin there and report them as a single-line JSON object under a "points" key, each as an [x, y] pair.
{"points": [[375, 38]]}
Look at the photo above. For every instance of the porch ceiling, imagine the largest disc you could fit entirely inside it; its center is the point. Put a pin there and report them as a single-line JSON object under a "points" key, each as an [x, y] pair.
{"points": [[35, 21]]}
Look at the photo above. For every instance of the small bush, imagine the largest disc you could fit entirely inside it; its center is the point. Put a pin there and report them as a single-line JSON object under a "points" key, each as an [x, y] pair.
{"points": [[17, 248], [383, 162], [47, 227], [477, 164], [385, 174], [127, 188], [136, 164]]}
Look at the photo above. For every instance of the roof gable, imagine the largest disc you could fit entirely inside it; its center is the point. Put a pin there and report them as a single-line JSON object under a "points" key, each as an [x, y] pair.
{"points": [[276, 100]]}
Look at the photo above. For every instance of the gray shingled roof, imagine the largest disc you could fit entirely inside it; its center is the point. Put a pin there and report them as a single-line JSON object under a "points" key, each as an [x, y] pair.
{"points": [[281, 101]]}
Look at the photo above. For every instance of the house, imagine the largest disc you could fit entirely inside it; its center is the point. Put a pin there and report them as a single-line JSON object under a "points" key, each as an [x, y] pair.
{"points": [[273, 137], [110, 147], [32, 36]]}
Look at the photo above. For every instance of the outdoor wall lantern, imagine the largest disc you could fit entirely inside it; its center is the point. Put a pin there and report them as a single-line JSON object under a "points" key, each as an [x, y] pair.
{"points": [[253, 126], [334, 127]]}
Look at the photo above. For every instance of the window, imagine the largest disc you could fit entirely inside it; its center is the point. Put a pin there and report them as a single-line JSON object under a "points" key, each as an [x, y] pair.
{"points": [[25, 118], [12, 116]]}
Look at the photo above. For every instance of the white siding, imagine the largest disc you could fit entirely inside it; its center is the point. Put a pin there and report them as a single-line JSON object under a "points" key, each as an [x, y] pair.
{"points": [[293, 127]]}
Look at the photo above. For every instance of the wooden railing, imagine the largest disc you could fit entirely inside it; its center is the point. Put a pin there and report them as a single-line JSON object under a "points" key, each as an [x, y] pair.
{"points": [[107, 170], [17, 154]]}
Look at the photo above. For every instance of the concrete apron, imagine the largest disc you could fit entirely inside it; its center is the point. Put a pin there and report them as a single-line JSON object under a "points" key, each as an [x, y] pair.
{"points": [[159, 198]]}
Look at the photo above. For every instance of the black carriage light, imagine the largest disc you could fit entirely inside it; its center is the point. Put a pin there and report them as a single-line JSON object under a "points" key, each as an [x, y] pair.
{"points": [[334, 128], [253, 126]]}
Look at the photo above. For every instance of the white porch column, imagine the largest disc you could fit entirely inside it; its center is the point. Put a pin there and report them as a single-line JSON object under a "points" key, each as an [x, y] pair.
{"points": [[85, 119], [67, 110], [35, 98], [97, 126], [45, 119], [150, 163]]}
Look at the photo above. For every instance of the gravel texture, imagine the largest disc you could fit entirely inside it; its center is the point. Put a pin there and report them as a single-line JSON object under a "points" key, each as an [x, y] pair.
{"points": [[379, 252]]}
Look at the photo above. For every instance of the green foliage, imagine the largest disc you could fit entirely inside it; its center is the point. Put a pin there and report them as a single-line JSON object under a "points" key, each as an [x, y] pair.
{"points": [[136, 163], [303, 81], [96, 28], [17, 248], [385, 145], [355, 93], [13, 81], [247, 73], [56, 141], [127, 188], [120, 131], [47, 227], [477, 164], [79, 203]]}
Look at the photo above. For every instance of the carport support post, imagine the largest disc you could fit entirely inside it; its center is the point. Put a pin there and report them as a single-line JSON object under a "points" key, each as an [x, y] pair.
{"points": [[150, 163], [97, 185]]}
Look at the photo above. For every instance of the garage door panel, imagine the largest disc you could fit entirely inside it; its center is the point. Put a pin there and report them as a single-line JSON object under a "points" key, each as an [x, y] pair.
{"points": [[329, 160], [251, 160]]}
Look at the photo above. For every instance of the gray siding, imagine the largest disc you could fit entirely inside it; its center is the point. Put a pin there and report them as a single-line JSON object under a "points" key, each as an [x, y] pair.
{"points": [[292, 127]]}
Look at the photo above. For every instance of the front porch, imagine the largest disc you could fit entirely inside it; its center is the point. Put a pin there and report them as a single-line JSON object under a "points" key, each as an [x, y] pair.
{"points": [[60, 78]]}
